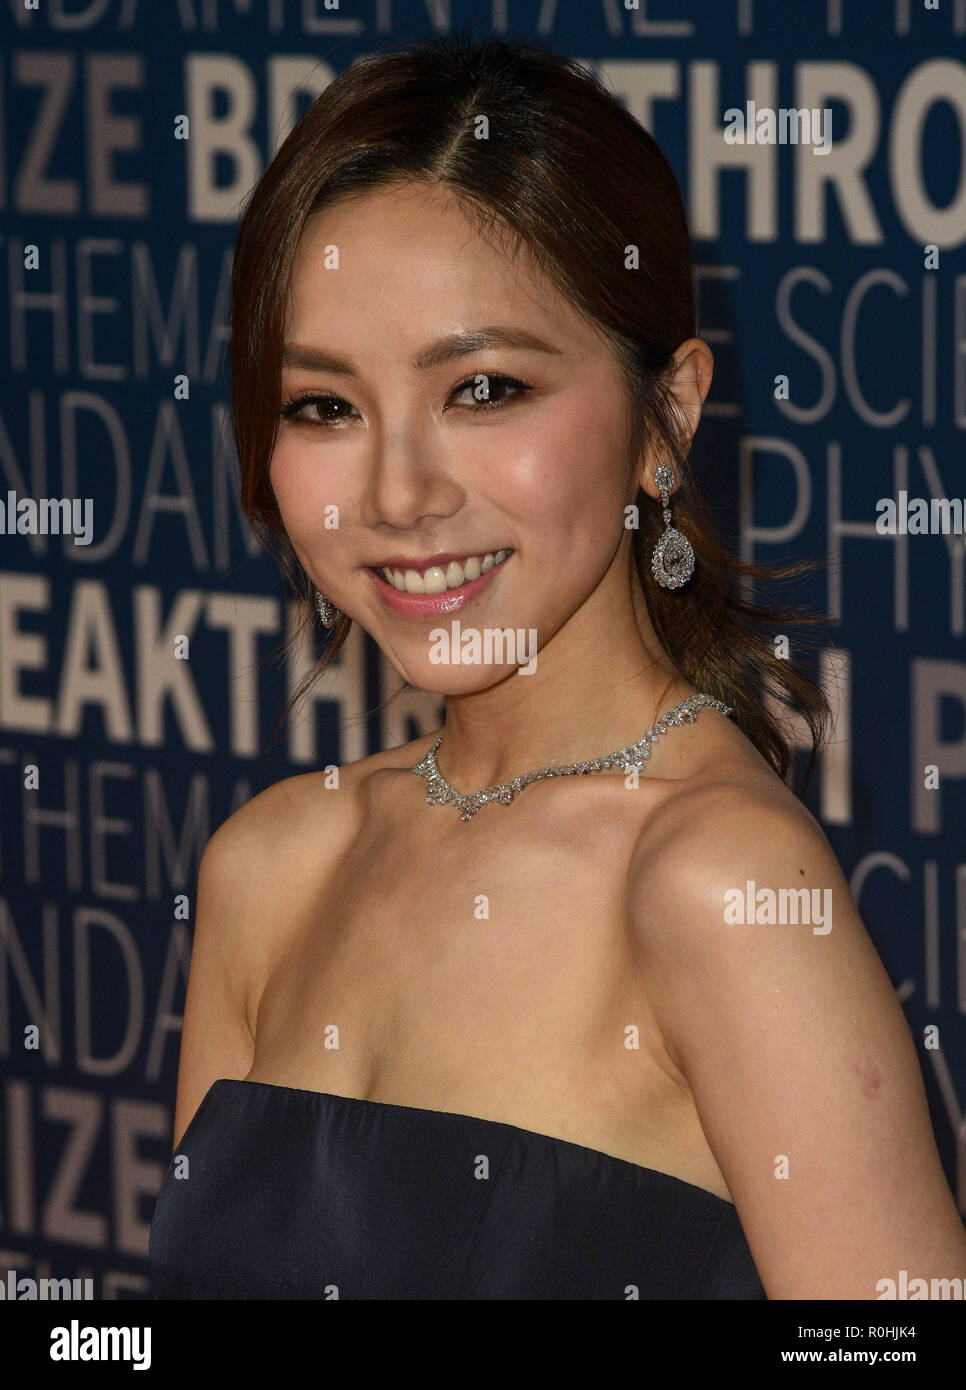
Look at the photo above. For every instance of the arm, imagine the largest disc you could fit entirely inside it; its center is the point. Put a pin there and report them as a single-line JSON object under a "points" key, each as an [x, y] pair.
{"points": [[793, 1044], [229, 954]]}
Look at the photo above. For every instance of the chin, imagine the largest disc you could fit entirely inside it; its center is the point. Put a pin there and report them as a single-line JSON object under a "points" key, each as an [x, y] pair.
{"points": [[455, 680]]}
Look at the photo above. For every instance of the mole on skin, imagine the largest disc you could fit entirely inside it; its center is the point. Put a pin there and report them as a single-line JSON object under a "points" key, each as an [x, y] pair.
{"points": [[871, 1077]]}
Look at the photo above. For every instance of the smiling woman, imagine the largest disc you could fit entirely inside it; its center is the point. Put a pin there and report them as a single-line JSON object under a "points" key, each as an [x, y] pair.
{"points": [[468, 1044]]}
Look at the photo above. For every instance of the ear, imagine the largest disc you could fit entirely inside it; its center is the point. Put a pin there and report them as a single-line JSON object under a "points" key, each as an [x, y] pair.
{"points": [[691, 380]]}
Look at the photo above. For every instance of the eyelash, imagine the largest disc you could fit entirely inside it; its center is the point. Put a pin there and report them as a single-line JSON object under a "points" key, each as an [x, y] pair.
{"points": [[294, 403]]}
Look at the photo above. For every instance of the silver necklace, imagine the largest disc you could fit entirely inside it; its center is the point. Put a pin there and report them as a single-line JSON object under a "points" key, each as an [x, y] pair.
{"points": [[630, 758]]}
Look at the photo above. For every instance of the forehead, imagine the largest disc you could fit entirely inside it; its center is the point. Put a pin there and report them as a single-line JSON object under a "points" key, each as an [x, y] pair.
{"points": [[408, 258]]}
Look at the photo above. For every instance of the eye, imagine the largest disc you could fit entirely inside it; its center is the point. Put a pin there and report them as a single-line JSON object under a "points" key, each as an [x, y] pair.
{"points": [[484, 386], [484, 389], [293, 407]]}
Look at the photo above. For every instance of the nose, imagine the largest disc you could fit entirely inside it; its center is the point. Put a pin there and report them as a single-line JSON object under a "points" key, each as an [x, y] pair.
{"points": [[409, 478]]}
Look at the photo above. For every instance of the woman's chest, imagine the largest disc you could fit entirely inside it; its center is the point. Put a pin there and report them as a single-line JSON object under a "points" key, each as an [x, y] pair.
{"points": [[488, 974], [454, 950]]}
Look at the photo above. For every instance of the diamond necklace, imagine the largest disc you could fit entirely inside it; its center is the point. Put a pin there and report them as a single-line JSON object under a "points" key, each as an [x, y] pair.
{"points": [[630, 758]]}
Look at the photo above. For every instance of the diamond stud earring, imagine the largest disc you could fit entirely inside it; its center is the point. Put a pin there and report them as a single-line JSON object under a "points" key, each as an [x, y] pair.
{"points": [[672, 561]]}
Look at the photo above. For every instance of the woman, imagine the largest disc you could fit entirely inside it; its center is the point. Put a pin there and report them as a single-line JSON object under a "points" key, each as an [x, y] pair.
{"points": [[519, 1044]]}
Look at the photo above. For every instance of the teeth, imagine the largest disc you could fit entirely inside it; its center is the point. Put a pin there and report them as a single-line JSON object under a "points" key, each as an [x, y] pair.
{"points": [[436, 579]]}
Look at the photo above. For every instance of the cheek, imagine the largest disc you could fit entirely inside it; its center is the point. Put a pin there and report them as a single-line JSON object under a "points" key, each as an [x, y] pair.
{"points": [[567, 475], [303, 489]]}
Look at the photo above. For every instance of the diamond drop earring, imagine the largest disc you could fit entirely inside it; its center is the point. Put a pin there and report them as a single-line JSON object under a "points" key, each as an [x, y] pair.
{"points": [[326, 610], [672, 561]]}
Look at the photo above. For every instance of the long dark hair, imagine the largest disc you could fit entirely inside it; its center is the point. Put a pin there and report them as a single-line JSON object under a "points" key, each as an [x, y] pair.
{"points": [[570, 176]]}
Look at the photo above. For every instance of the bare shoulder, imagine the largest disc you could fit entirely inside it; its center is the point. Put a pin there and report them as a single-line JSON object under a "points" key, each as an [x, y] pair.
{"points": [[731, 845], [271, 816], [719, 774], [725, 828], [780, 1017], [724, 808], [271, 852], [296, 813], [259, 880]]}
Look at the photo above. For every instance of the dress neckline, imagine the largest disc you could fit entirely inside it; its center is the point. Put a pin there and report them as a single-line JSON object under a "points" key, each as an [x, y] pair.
{"points": [[329, 1096]]}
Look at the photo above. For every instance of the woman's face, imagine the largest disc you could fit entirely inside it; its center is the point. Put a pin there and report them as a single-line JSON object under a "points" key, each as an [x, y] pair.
{"points": [[411, 461]]}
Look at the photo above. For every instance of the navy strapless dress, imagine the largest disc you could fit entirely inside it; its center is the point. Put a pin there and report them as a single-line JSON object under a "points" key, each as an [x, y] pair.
{"points": [[303, 1194]]}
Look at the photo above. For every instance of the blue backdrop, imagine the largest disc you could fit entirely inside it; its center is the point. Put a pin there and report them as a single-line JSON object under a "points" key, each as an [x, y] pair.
{"points": [[832, 291]]}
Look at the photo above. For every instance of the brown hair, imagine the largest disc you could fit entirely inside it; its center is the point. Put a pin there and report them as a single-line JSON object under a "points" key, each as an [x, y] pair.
{"points": [[572, 179]]}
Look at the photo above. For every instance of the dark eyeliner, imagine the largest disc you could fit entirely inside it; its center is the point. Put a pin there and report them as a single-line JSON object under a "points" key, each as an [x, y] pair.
{"points": [[524, 387], [301, 398], [305, 398]]}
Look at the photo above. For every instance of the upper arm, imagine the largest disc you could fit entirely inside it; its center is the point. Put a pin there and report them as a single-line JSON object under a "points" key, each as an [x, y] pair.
{"points": [[797, 1054], [229, 953]]}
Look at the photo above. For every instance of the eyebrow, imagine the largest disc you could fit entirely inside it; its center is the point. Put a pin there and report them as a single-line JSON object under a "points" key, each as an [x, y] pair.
{"points": [[459, 344]]}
